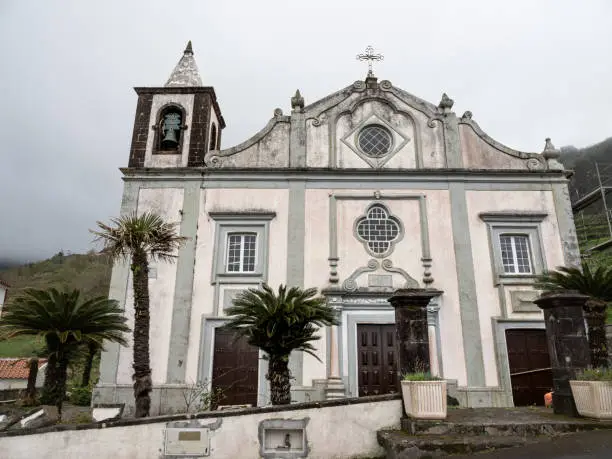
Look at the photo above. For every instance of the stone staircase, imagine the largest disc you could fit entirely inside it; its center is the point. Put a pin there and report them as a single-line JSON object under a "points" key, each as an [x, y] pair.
{"points": [[467, 431]]}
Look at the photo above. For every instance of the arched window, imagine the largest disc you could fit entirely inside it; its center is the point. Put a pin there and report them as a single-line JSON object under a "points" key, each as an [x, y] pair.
{"points": [[170, 128], [213, 138]]}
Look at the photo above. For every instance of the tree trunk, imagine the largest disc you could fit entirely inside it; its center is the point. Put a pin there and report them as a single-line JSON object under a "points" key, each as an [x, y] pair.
{"points": [[595, 315], [279, 377], [141, 364], [30, 393], [92, 350], [60, 386], [47, 395]]}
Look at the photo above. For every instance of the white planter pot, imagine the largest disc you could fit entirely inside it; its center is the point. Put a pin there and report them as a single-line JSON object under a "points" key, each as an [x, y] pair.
{"points": [[593, 398], [424, 399]]}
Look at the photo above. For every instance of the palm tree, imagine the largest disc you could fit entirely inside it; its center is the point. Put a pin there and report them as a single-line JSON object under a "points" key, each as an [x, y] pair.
{"points": [[138, 239], [278, 324], [597, 284], [65, 323]]}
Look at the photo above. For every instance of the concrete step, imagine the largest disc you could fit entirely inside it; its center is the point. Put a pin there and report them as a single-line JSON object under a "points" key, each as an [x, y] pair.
{"points": [[401, 445]]}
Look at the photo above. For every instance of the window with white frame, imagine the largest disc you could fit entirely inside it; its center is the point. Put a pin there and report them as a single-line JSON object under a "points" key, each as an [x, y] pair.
{"points": [[515, 253], [241, 252]]}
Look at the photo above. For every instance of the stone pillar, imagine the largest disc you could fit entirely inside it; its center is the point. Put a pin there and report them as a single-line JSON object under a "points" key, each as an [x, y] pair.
{"points": [[335, 387], [567, 344], [412, 328]]}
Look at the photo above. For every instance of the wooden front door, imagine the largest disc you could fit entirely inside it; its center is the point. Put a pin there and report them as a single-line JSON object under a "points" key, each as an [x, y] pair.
{"points": [[234, 375], [377, 359], [530, 371]]}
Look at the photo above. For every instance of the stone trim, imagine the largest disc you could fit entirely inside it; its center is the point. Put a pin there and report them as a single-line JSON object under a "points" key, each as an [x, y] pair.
{"points": [[500, 325], [205, 362], [119, 284], [204, 415], [181, 310], [186, 90], [140, 132], [199, 130], [296, 235], [215, 160], [377, 195], [565, 222], [467, 120], [468, 298]]}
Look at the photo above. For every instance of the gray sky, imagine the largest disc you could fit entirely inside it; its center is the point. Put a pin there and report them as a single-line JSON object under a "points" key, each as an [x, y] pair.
{"points": [[526, 69]]}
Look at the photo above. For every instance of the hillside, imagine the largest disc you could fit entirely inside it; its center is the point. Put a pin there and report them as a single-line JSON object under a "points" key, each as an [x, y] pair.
{"points": [[89, 273]]}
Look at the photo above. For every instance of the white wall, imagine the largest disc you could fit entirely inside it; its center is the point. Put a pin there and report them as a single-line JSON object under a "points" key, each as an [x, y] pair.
{"points": [[341, 431], [487, 292]]}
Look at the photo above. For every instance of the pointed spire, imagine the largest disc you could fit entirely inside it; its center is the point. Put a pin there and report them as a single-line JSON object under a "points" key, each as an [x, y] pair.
{"points": [[186, 71]]}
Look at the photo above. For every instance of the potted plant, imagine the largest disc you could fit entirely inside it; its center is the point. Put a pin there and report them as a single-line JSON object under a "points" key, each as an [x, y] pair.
{"points": [[424, 395], [592, 393]]}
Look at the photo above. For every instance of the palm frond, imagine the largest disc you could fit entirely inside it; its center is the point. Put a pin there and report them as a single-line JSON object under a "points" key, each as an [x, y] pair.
{"points": [[147, 232], [280, 322]]}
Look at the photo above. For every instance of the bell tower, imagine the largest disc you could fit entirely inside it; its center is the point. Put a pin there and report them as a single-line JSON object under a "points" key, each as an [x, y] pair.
{"points": [[177, 124]]}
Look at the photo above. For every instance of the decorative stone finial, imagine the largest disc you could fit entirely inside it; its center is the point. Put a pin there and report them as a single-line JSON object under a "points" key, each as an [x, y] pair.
{"points": [[186, 71], [446, 103], [550, 152], [278, 112], [466, 116], [297, 101]]}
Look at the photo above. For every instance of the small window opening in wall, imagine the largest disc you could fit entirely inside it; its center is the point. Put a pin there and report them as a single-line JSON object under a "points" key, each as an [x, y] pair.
{"points": [[170, 129], [213, 138], [241, 252], [516, 253]]}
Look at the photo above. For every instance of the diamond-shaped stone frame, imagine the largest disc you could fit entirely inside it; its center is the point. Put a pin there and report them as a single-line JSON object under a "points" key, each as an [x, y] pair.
{"points": [[350, 140]]}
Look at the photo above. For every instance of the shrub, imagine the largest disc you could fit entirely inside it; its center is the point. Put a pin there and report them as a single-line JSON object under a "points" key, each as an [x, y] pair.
{"points": [[80, 396], [420, 376], [595, 374]]}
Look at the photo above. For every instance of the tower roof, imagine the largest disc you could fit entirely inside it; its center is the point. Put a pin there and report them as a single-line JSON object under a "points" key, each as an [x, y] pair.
{"points": [[186, 71]]}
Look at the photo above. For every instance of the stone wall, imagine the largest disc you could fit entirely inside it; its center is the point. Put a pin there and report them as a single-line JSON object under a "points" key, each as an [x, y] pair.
{"points": [[343, 428]]}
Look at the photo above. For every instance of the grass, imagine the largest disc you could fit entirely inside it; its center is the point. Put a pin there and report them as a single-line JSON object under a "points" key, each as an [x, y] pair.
{"points": [[20, 346], [419, 376]]}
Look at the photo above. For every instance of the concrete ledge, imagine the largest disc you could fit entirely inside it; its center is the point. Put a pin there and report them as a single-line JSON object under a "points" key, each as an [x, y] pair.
{"points": [[204, 415]]}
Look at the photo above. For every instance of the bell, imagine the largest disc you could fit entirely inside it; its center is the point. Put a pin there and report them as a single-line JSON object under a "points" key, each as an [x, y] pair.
{"points": [[170, 140]]}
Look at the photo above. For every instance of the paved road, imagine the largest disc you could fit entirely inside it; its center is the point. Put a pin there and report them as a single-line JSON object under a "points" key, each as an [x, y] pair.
{"points": [[585, 445]]}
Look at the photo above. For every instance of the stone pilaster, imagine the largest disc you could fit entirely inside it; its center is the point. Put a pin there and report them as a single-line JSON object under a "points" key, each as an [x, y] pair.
{"points": [[567, 344]]}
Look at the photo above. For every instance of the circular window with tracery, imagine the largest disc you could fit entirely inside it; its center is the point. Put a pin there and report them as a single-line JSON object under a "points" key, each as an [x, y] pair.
{"points": [[375, 140]]}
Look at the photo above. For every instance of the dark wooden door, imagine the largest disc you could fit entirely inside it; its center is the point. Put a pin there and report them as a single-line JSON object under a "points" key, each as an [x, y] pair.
{"points": [[377, 356], [530, 371], [234, 375]]}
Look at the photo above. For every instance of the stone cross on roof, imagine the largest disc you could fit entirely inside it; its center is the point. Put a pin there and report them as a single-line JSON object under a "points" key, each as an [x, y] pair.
{"points": [[186, 71], [370, 57]]}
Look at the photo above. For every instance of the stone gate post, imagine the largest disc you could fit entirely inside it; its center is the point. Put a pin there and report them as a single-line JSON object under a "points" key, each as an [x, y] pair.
{"points": [[567, 344]]}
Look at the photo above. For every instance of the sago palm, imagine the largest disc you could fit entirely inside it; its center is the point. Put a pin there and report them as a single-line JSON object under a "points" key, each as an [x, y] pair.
{"points": [[137, 239], [65, 323], [597, 284], [279, 323]]}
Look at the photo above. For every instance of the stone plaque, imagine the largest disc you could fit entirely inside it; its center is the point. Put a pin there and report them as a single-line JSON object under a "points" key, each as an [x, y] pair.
{"points": [[380, 280], [188, 441], [523, 301]]}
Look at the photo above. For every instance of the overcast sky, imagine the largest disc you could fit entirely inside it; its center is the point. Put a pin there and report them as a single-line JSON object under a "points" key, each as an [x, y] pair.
{"points": [[526, 69]]}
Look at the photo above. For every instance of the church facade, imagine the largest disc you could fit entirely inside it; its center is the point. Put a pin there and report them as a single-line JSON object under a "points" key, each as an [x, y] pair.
{"points": [[365, 191]]}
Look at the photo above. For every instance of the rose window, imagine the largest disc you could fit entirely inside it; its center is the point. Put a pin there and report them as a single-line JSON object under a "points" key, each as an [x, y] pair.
{"points": [[375, 141], [378, 230]]}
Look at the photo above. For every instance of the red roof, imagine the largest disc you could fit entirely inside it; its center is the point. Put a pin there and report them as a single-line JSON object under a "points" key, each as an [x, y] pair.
{"points": [[17, 368]]}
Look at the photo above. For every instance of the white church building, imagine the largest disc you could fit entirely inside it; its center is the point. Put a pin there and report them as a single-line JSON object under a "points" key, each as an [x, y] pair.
{"points": [[365, 191]]}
